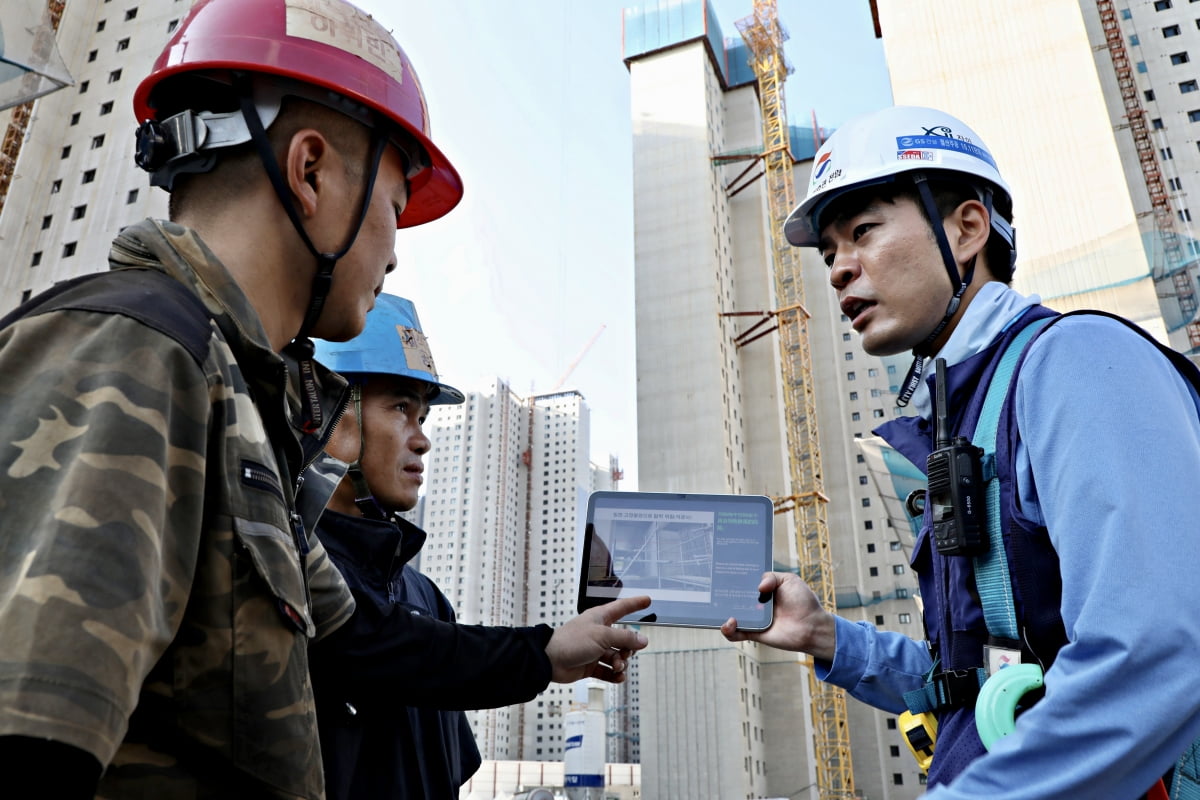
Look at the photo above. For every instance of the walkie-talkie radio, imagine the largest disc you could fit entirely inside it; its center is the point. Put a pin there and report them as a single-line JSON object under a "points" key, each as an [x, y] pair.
{"points": [[956, 487]]}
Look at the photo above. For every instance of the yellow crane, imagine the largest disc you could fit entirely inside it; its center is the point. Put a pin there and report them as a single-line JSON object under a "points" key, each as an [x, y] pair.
{"points": [[764, 36]]}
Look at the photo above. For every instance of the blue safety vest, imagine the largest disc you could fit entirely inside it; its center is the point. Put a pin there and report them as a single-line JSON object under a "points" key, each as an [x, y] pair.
{"points": [[954, 614]]}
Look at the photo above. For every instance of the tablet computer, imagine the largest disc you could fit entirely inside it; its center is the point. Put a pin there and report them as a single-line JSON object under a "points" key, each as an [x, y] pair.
{"points": [[699, 557]]}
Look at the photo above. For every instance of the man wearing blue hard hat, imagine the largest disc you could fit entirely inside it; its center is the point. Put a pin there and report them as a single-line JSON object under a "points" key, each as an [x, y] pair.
{"points": [[390, 682]]}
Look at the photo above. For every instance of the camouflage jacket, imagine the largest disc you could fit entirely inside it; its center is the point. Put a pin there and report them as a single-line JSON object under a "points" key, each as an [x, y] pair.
{"points": [[155, 609]]}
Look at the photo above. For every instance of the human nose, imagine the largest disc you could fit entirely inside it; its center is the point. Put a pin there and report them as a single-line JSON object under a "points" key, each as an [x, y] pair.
{"points": [[420, 443], [844, 269]]}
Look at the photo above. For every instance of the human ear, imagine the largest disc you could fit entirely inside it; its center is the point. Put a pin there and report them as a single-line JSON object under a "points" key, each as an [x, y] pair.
{"points": [[968, 228], [307, 159]]}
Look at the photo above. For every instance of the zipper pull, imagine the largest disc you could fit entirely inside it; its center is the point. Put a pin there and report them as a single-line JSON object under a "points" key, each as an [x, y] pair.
{"points": [[298, 532]]}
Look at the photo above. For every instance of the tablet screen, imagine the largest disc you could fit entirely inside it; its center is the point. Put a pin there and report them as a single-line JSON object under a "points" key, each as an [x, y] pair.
{"points": [[699, 557]]}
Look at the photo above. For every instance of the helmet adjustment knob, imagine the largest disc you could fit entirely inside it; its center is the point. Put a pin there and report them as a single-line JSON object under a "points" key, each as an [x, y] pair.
{"points": [[152, 146]]}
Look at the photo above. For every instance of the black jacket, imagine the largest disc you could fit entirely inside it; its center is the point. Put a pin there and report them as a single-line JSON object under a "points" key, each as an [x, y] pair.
{"points": [[388, 683]]}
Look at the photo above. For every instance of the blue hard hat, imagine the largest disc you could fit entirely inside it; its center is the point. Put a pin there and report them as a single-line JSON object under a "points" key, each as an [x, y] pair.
{"points": [[391, 344]]}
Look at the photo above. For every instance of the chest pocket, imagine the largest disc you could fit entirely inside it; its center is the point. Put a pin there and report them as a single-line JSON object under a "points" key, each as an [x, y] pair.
{"points": [[273, 546], [953, 614], [274, 716]]}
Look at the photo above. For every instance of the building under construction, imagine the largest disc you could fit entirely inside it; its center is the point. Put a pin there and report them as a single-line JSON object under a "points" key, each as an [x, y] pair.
{"points": [[1092, 109], [736, 364], [506, 481], [67, 180]]}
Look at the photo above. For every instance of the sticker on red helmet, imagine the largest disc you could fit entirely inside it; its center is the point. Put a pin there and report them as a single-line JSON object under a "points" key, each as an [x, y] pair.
{"points": [[345, 27]]}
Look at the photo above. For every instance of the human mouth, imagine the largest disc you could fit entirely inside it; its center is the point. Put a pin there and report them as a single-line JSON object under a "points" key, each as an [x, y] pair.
{"points": [[854, 308]]}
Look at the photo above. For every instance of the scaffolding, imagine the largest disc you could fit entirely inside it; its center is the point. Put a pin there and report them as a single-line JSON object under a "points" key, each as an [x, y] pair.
{"points": [[1173, 262], [764, 37]]}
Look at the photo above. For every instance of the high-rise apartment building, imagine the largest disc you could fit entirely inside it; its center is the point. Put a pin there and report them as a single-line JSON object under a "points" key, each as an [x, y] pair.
{"points": [[1092, 109], [74, 182], [723, 720], [507, 482]]}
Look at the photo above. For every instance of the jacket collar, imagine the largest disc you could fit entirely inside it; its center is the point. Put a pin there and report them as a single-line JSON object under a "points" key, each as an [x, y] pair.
{"points": [[321, 480], [180, 252], [993, 308], [971, 362], [383, 546]]}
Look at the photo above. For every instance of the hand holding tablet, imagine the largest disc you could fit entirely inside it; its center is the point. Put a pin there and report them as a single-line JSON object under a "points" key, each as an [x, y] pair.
{"points": [[699, 557]]}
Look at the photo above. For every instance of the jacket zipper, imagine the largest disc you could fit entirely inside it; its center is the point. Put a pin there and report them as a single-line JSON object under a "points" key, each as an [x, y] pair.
{"points": [[261, 477]]}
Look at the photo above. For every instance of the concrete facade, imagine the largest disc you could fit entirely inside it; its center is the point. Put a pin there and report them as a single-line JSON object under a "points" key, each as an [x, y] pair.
{"points": [[1161, 39], [698, 697], [75, 184]]}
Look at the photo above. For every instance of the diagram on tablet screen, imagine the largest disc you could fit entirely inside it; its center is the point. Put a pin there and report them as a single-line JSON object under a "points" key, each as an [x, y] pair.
{"points": [[667, 553]]}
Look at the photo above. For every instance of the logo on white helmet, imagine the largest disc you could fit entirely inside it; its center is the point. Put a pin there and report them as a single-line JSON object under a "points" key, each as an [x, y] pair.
{"points": [[824, 172], [935, 140]]}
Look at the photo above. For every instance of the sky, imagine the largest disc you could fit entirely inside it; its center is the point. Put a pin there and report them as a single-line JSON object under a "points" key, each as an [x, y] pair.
{"points": [[530, 278]]}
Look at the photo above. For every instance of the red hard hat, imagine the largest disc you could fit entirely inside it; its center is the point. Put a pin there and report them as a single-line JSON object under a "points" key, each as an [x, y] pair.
{"points": [[325, 43]]}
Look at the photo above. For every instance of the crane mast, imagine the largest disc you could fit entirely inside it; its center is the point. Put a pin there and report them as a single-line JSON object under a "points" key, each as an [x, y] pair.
{"points": [[764, 36]]}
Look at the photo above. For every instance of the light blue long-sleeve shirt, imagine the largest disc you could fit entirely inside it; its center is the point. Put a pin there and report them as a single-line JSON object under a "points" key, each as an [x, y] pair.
{"points": [[1109, 462]]}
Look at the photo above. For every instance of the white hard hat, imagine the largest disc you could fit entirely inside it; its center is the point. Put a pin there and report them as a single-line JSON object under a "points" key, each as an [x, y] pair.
{"points": [[874, 148]]}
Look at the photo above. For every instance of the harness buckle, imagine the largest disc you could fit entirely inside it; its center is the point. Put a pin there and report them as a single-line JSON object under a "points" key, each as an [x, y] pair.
{"points": [[957, 687]]}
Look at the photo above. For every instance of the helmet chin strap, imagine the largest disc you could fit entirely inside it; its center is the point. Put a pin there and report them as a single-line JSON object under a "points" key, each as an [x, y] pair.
{"points": [[367, 505], [301, 346], [323, 279], [925, 349]]}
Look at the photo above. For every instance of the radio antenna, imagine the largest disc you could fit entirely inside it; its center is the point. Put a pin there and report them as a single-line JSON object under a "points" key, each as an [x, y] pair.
{"points": [[942, 427]]}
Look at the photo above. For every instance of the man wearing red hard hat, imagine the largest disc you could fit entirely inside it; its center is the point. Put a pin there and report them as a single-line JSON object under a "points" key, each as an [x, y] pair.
{"points": [[158, 588]]}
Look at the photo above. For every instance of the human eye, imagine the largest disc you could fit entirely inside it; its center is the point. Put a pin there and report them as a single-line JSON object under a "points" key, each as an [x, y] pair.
{"points": [[861, 229]]}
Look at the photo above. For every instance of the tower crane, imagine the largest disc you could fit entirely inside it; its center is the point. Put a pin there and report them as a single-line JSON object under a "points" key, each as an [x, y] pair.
{"points": [[571, 368], [764, 36]]}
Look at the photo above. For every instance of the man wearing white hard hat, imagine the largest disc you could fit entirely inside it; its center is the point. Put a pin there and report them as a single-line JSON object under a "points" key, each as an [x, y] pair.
{"points": [[1060, 521]]}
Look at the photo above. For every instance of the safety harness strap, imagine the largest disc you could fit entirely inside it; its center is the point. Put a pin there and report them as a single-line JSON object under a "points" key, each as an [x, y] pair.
{"points": [[1185, 784], [992, 578], [957, 688], [948, 689]]}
